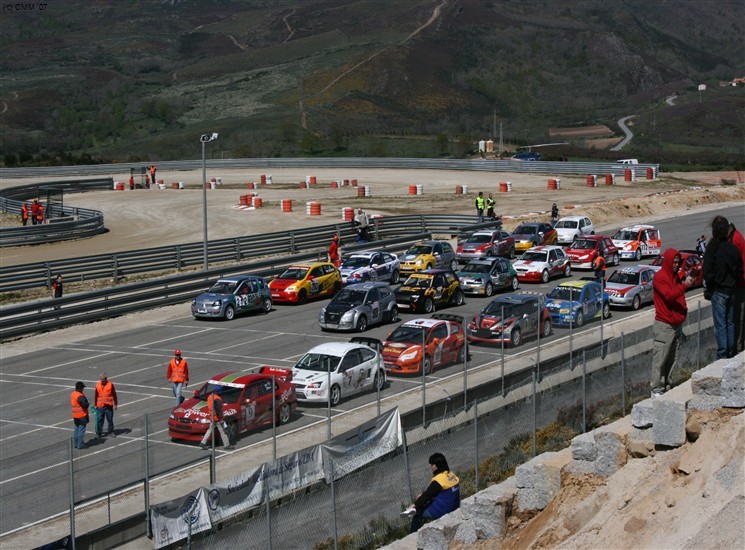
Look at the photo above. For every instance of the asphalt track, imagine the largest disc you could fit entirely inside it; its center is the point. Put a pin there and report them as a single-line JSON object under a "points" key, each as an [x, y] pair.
{"points": [[35, 388]]}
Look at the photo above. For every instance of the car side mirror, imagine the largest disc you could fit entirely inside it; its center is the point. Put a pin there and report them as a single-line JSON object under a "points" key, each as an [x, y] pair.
{"points": [[374, 265], [311, 277]]}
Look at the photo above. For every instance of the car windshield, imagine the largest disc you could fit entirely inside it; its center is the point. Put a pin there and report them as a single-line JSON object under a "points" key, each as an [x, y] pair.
{"points": [[659, 259], [419, 249], [525, 230], [476, 268], [478, 239], [294, 273], [223, 287], [495, 309], [421, 282], [227, 393], [566, 224], [583, 244], [319, 362], [565, 293], [407, 334], [624, 278], [350, 297], [534, 256], [356, 261], [625, 235]]}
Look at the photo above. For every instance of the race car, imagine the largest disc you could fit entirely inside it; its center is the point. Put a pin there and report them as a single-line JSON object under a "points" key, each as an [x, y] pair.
{"points": [[485, 276], [427, 255], [541, 263], [429, 289], [349, 367], [574, 302], [637, 241], [233, 295], [510, 319], [691, 264], [583, 251], [247, 403], [443, 343], [528, 235], [358, 306], [298, 283], [630, 286], [486, 243], [374, 265], [570, 228]]}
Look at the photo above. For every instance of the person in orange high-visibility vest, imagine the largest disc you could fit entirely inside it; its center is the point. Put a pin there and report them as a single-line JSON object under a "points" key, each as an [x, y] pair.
{"points": [[34, 210], [152, 174], [178, 374], [106, 402], [599, 264], [79, 404], [214, 409], [24, 213], [40, 214]]}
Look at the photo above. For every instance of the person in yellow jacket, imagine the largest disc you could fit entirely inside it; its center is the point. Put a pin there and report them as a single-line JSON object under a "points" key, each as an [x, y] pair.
{"points": [[441, 496], [79, 404], [106, 402]]}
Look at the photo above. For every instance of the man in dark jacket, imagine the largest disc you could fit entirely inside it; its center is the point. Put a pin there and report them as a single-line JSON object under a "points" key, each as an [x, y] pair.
{"points": [[441, 496], [671, 310]]}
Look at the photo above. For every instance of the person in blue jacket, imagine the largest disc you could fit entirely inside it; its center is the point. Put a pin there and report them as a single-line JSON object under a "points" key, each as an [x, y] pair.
{"points": [[441, 497]]}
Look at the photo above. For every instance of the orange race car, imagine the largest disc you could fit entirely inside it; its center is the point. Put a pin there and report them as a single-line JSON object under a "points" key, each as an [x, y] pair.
{"points": [[299, 283], [444, 343]]}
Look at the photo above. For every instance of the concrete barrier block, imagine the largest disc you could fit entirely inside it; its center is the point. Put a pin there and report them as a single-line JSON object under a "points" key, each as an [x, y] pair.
{"points": [[641, 414], [733, 382], [708, 380], [584, 447], [669, 424], [639, 443], [538, 481], [612, 453], [487, 513], [704, 402], [437, 534]]}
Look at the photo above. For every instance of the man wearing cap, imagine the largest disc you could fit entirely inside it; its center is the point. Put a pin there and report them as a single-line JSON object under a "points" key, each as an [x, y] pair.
{"points": [[106, 403], [79, 404], [178, 374], [214, 408]]}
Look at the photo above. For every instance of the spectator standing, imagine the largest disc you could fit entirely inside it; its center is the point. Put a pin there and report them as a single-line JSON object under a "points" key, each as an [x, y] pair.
{"points": [[490, 207], [723, 270], [554, 215], [131, 182], [600, 267], [736, 238], [152, 174], [178, 374], [217, 419], [701, 246], [334, 251], [441, 496], [106, 402], [79, 404], [57, 287], [362, 223], [671, 310], [34, 211], [480, 203], [24, 213]]}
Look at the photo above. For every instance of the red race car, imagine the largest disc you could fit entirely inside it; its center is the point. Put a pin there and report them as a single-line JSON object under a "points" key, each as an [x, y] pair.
{"points": [[247, 403], [583, 251], [691, 264]]}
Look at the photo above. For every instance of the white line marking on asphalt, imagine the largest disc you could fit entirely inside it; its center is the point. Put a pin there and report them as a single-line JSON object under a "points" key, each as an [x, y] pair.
{"points": [[68, 363], [179, 337]]}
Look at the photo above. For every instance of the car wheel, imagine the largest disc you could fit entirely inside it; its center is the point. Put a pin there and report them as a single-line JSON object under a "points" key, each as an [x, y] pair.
{"points": [[379, 382], [461, 354], [232, 432], [636, 303], [395, 277], [229, 313], [337, 287], [335, 395], [361, 324], [429, 305], [428, 266], [489, 289], [512, 253], [394, 315], [302, 297], [546, 332], [458, 298], [568, 271], [516, 337], [638, 254], [454, 265], [616, 259], [284, 414], [544, 276], [515, 283], [427, 365], [266, 305], [580, 319], [489, 253], [606, 310]]}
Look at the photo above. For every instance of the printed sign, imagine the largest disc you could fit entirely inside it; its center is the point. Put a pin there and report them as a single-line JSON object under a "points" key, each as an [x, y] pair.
{"points": [[171, 520]]}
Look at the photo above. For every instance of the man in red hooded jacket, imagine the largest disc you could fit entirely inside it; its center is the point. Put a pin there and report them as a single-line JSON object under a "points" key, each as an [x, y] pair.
{"points": [[670, 313]]}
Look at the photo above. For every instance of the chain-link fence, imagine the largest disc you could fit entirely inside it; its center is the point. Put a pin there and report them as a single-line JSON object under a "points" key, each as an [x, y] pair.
{"points": [[362, 508]]}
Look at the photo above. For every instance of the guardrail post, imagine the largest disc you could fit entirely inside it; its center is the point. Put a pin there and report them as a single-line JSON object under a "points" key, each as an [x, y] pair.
{"points": [[237, 249], [533, 376], [584, 393], [476, 440], [377, 229], [623, 377], [115, 258], [178, 257], [292, 243], [333, 504], [48, 269]]}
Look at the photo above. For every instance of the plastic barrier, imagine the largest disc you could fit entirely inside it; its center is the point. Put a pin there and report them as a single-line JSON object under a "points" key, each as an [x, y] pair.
{"points": [[610, 179], [650, 173], [347, 214], [592, 181], [256, 202], [554, 184], [334, 185], [250, 185], [119, 186], [506, 186], [286, 205], [313, 208], [412, 189]]}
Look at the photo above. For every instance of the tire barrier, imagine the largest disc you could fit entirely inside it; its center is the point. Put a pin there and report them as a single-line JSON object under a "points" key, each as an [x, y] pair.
{"points": [[629, 175], [363, 191], [610, 179], [286, 205], [554, 184], [506, 186], [257, 202], [347, 214], [313, 208], [592, 181]]}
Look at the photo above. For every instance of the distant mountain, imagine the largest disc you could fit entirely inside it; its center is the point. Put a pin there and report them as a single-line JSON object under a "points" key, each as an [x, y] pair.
{"points": [[141, 79]]}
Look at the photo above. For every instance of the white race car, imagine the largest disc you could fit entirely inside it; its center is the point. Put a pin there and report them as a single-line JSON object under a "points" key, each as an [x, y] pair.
{"points": [[374, 265]]}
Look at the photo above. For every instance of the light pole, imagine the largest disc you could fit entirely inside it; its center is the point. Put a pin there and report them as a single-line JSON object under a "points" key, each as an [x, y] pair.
{"points": [[204, 139]]}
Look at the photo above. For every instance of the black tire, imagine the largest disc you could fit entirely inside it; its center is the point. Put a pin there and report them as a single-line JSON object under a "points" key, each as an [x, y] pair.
{"points": [[512, 253], [461, 355], [638, 255], [606, 310], [427, 365], [302, 297], [232, 432], [454, 265], [393, 315], [636, 303], [378, 382], [516, 338], [429, 305], [335, 395], [285, 412], [616, 259], [489, 289], [457, 298], [361, 324], [544, 276], [580, 319], [489, 253], [229, 314], [266, 305], [426, 267], [515, 283], [568, 271], [395, 277]]}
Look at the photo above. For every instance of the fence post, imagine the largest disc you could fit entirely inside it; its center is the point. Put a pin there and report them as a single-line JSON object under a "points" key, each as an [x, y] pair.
{"points": [[584, 394], [147, 476], [333, 504], [535, 410], [465, 365], [48, 269], [237, 249], [538, 345], [268, 514], [116, 268], [178, 257], [476, 439], [406, 465], [698, 336], [623, 377], [72, 494], [292, 243], [213, 462], [503, 394], [424, 383], [274, 419]]}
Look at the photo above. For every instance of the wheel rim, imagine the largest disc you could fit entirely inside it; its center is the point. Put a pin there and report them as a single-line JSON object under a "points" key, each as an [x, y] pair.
{"points": [[462, 354], [394, 314], [394, 277], [580, 319], [544, 276], [606, 311], [616, 259], [335, 396], [378, 382], [267, 305], [516, 338], [428, 305], [229, 313], [458, 298], [568, 271], [512, 253], [453, 265], [547, 328], [427, 366], [489, 290], [284, 414], [638, 254], [362, 324], [636, 303], [515, 283], [302, 297]]}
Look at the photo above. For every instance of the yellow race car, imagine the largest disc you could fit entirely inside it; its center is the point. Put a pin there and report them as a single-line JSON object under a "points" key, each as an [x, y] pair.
{"points": [[428, 255], [299, 283]]}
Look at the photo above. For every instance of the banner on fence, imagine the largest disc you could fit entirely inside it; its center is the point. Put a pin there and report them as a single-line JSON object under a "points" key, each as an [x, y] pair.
{"points": [[355, 448], [293, 472], [170, 520]]}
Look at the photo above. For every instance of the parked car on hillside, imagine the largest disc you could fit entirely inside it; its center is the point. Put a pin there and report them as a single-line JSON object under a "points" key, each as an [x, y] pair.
{"points": [[358, 306], [527, 155]]}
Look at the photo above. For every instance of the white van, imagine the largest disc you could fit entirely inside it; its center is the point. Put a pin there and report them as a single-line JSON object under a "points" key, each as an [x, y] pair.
{"points": [[628, 161]]}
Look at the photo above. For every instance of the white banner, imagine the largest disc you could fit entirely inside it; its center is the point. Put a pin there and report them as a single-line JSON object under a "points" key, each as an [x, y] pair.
{"points": [[355, 448], [293, 472], [170, 520], [239, 493]]}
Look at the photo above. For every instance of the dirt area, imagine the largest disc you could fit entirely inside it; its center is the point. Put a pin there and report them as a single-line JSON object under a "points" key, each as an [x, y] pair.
{"points": [[149, 218], [691, 497], [581, 131]]}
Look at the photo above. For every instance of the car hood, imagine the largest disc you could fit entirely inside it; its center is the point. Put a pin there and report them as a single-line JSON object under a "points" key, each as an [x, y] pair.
{"points": [[410, 290], [195, 409], [412, 257], [211, 297], [579, 253], [619, 287], [339, 307], [347, 271], [553, 303], [531, 264], [620, 244], [471, 246], [392, 350], [473, 276], [281, 284], [308, 376], [524, 237]]}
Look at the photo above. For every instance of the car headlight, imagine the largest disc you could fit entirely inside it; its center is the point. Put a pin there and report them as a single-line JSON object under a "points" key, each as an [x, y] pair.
{"points": [[217, 303], [348, 316], [172, 416], [627, 247], [314, 385], [321, 314], [411, 354], [193, 302], [203, 421], [291, 288], [415, 296], [419, 262]]}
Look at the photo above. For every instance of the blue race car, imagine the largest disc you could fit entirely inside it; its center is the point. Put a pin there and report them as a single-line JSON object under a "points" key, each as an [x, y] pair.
{"points": [[574, 302], [233, 295]]}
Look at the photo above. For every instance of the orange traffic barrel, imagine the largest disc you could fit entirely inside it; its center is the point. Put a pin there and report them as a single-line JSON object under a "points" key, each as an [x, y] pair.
{"points": [[628, 175], [552, 184], [119, 186], [412, 189], [592, 181], [263, 178], [314, 208], [610, 179], [286, 205], [347, 214], [503, 188], [257, 202], [303, 185], [313, 180], [160, 182], [458, 189], [650, 173]]}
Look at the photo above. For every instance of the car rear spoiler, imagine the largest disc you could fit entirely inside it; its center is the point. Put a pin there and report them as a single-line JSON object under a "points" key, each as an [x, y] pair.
{"points": [[284, 374], [540, 295], [373, 343], [450, 317]]}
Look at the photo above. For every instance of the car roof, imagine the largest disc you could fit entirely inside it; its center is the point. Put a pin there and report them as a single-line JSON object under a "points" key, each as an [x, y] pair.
{"points": [[515, 298], [633, 269], [485, 261], [592, 237], [337, 349], [636, 227], [573, 218], [235, 379], [236, 278], [367, 254], [428, 242], [367, 285], [422, 322], [577, 284], [544, 248], [531, 223], [489, 232]]}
